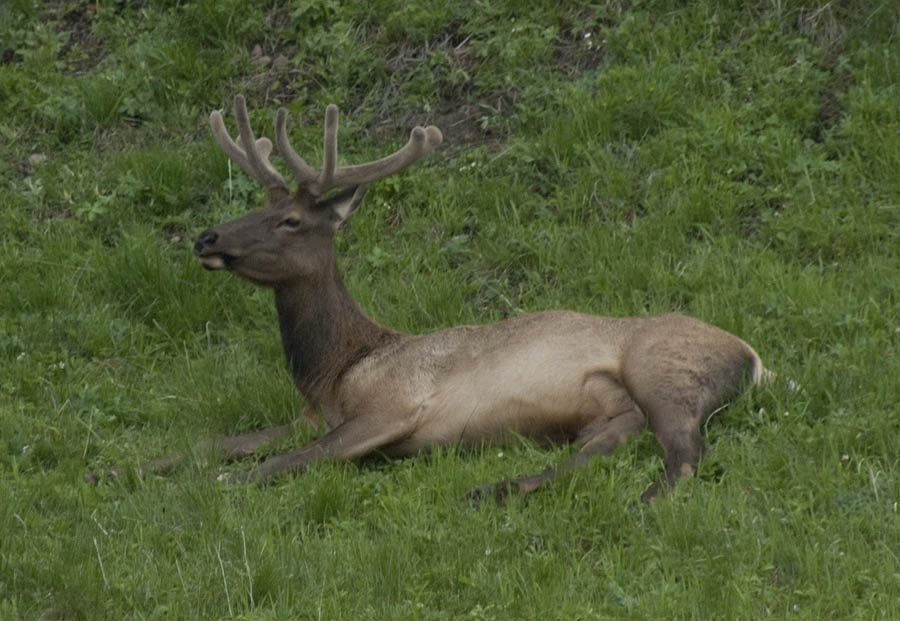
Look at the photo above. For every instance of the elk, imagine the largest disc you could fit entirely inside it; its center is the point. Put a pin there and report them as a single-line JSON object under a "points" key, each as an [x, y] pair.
{"points": [[557, 376]]}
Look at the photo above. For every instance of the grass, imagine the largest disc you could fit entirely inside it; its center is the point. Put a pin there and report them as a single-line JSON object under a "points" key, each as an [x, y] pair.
{"points": [[733, 161]]}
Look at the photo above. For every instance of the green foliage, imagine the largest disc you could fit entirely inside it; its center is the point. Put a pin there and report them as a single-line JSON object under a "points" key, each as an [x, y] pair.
{"points": [[733, 161]]}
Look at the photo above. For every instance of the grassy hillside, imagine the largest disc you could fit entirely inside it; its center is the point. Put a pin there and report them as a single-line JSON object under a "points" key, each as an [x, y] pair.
{"points": [[739, 162]]}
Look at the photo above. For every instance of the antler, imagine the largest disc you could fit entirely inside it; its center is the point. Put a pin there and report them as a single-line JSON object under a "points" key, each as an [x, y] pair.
{"points": [[254, 156], [422, 141]]}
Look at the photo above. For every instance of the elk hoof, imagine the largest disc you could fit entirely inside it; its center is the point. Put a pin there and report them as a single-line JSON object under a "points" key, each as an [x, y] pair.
{"points": [[92, 478], [234, 479], [242, 478], [499, 491], [650, 495]]}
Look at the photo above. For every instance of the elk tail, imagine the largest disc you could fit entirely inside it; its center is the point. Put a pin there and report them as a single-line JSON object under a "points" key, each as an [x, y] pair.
{"points": [[762, 376]]}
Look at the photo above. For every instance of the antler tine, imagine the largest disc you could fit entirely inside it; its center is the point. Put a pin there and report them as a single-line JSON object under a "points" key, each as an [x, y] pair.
{"points": [[262, 148], [303, 172], [316, 183], [329, 149], [422, 141], [223, 139], [262, 169]]}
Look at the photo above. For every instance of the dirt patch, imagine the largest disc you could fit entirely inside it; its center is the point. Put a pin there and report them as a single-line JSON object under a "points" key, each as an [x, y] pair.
{"points": [[578, 50], [9, 56], [467, 113], [463, 125], [827, 29], [275, 77], [81, 49], [462, 122], [463, 114], [830, 113]]}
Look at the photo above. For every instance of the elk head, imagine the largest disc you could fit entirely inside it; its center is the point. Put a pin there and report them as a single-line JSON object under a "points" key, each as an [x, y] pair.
{"points": [[289, 240]]}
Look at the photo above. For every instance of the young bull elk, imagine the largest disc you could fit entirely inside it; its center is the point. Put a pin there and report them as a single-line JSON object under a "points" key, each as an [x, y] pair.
{"points": [[557, 375]]}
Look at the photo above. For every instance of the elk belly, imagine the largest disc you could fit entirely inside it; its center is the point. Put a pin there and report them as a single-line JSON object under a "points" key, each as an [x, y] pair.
{"points": [[492, 407]]}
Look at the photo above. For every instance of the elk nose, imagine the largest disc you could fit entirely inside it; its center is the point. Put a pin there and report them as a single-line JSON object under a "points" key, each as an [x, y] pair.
{"points": [[205, 239]]}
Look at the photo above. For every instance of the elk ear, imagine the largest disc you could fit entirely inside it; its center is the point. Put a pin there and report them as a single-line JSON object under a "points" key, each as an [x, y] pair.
{"points": [[343, 204]]}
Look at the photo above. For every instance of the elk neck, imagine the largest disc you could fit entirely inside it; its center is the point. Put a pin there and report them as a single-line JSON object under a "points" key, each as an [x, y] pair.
{"points": [[324, 332]]}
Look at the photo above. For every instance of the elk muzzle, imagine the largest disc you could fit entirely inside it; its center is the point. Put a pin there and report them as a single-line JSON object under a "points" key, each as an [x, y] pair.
{"points": [[210, 259]]}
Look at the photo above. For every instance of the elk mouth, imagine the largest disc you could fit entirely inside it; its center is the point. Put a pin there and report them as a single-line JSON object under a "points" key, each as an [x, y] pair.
{"points": [[216, 261], [210, 258]]}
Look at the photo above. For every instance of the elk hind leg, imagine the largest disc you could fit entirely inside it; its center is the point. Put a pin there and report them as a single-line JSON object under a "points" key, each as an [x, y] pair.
{"points": [[682, 446], [598, 438], [678, 401]]}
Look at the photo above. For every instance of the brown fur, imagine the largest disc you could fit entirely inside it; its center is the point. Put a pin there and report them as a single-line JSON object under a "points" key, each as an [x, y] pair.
{"points": [[555, 376]]}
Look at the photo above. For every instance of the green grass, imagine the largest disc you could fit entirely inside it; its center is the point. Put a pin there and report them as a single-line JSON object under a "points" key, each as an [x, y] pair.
{"points": [[739, 162]]}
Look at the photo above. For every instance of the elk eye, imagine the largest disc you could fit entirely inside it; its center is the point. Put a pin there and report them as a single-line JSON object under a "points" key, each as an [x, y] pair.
{"points": [[291, 223]]}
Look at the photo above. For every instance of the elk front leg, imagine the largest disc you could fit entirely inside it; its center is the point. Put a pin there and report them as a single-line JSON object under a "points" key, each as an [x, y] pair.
{"points": [[599, 439], [232, 447], [353, 438]]}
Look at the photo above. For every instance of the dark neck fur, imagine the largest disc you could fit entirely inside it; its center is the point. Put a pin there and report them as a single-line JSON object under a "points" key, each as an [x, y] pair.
{"points": [[324, 333]]}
